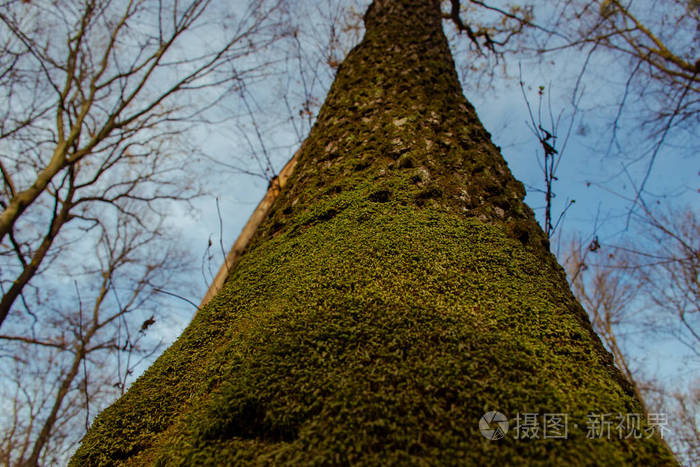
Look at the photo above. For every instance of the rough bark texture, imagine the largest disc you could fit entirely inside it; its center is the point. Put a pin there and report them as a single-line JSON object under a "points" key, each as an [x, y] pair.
{"points": [[398, 290]]}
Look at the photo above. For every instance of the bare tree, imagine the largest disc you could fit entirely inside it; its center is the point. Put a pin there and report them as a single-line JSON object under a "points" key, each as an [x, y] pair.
{"points": [[669, 274], [95, 337], [682, 406], [645, 51], [607, 293], [650, 53], [107, 104], [547, 130], [649, 288]]}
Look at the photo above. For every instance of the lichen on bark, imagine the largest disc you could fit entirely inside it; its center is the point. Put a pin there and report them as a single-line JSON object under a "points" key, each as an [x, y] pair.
{"points": [[398, 290]]}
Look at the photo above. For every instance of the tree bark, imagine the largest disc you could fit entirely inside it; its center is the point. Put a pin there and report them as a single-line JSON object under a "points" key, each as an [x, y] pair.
{"points": [[398, 290]]}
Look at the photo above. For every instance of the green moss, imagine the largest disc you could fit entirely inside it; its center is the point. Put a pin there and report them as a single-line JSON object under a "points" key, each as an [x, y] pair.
{"points": [[380, 335]]}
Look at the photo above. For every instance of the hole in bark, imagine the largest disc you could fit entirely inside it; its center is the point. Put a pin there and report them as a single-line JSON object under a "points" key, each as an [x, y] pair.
{"points": [[276, 227], [416, 179], [524, 237], [361, 166], [493, 189], [397, 152], [521, 233], [429, 193], [381, 196], [327, 215], [334, 190], [406, 163]]}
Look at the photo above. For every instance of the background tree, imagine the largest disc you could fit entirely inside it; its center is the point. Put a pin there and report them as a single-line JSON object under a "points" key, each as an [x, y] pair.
{"points": [[648, 291], [86, 352], [122, 86], [632, 81]]}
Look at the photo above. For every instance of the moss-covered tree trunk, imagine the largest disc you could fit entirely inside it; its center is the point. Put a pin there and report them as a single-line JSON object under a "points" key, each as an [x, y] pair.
{"points": [[399, 289]]}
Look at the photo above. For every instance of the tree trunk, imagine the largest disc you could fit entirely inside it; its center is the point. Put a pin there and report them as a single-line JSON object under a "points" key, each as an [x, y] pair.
{"points": [[50, 422], [397, 291]]}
